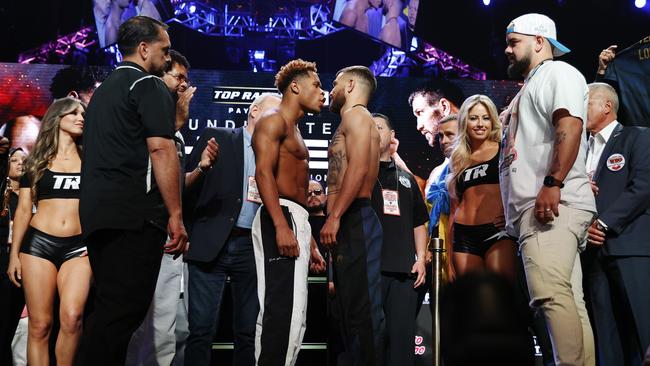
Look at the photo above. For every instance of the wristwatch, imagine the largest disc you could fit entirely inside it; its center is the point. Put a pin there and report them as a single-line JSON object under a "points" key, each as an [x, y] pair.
{"points": [[550, 181], [601, 226]]}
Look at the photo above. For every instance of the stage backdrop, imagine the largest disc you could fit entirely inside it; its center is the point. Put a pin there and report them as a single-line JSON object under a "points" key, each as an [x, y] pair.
{"points": [[222, 100]]}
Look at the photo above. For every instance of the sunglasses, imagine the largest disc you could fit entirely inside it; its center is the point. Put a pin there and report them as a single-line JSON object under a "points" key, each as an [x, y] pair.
{"points": [[316, 192]]}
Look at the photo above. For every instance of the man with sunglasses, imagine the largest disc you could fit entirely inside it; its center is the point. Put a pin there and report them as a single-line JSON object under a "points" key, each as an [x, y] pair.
{"points": [[219, 210], [316, 201]]}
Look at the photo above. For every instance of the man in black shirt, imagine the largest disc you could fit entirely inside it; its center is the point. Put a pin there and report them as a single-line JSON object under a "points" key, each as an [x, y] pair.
{"points": [[401, 210], [316, 201], [130, 197], [628, 71]]}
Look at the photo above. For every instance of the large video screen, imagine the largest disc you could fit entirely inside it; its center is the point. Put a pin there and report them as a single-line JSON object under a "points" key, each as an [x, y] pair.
{"points": [[391, 21], [109, 14]]}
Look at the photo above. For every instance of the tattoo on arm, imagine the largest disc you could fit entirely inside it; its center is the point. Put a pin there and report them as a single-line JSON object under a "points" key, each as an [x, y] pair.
{"points": [[335, 163], [560, 136], [336, 160], [336, 137]]}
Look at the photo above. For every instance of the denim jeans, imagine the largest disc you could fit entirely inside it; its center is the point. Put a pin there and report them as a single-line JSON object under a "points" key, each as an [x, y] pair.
{"points": [[206, 285]]}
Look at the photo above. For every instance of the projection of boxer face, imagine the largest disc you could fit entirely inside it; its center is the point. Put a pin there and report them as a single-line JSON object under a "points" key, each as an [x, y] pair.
{"points": [[427, 117], [413, 12], [22, 132]]}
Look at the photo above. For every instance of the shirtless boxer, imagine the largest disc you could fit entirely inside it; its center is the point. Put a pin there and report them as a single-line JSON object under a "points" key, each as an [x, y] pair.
{"points": [[354, 13], [282, 238], [352, 228]]}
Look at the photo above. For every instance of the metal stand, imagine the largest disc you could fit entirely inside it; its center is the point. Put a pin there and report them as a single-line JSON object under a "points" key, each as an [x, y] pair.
{"points": [[439, 273]]}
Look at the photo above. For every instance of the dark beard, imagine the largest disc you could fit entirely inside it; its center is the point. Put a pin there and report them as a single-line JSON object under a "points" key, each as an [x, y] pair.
{"points": [[315, 209], [516, 69], [335, 108], [335, 105], [159, 73]]}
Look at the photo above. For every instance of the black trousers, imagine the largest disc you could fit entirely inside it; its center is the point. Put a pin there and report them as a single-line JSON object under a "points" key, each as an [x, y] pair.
{"points": [[427, 287], [536, 320], [335, 344], [125, 266], [619, 300], [357, 279], [400, 303]]}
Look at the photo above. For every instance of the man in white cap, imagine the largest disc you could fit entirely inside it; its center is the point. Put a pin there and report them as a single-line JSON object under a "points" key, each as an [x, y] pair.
{"points": [[544, 185]]}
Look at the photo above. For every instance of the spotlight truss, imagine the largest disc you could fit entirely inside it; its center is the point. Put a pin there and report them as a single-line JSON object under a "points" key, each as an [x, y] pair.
{"points": [[302, 23], [389, 62], [426, 57], [80, 40], [430, 56], [305, 22]]}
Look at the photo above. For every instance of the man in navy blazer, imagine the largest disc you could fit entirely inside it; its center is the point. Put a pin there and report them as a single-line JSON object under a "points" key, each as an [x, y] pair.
{"points": [[219, 212], [617, 263]]}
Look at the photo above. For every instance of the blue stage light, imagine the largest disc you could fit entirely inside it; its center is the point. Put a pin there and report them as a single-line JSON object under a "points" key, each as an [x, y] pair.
{"points": [[486, 2], [192, 8], [259, 54], [639, 3]]}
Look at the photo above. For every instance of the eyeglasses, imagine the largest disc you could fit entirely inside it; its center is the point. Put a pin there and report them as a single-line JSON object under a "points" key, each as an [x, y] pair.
{"points": [[315, 192], [181, 78]]}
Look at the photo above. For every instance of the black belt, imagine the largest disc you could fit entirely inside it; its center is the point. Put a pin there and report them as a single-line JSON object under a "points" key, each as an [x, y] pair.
{"points": [[239, 231]]}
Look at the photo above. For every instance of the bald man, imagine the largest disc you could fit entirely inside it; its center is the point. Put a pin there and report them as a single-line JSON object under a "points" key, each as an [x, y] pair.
{"points": [[219, 209], [617, 261]]}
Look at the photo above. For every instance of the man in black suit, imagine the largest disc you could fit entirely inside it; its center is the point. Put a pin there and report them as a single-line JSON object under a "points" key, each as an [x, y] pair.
{"points": [[617, 264], [219, 210]]}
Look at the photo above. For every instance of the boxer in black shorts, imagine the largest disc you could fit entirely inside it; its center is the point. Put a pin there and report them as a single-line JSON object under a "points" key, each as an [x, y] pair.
{"points": [[352, 228]]}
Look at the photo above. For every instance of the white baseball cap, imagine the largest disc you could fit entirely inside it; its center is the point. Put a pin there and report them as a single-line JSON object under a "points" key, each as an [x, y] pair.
{"points": [[534, 24]]}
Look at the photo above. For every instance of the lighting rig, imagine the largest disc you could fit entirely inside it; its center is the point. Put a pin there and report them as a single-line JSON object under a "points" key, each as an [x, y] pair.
{"points": [[287, 21]]}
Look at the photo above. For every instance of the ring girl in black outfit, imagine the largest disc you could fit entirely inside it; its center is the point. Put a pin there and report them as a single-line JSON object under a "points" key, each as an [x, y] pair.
{"points": [[479, 238], [52, 256]]}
